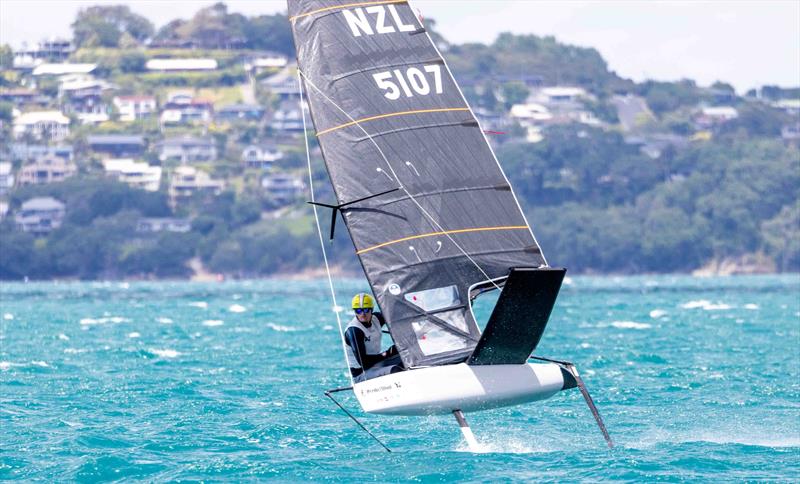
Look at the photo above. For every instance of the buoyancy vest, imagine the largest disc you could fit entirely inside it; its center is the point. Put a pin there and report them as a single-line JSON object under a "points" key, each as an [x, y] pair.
{"points": [[372, 339]]}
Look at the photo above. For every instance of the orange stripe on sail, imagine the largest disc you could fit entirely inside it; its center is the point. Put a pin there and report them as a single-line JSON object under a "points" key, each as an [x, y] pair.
{"points": [[348, 5], [389, 115], [446, 232]]}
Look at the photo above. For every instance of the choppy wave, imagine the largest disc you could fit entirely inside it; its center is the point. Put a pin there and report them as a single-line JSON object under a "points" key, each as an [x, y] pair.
{"points": [[282, 328], [165, 353], [681, 391], [706, 305], [103, 320]]}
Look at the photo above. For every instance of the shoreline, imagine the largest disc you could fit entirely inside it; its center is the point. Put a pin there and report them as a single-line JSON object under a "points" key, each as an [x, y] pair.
{"points": [[312, 275]]}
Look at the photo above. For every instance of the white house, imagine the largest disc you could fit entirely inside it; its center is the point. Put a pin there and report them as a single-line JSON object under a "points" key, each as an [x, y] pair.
{"points": [[266, 62], [287, 118], [557, 94], [131, 108], [188, 180], [62, 69], [713, 115], [181, 65], [49, 125], [530, 113], [261, 156], [40, 215], [136, 174], [183, 108], [6, 177], [283, 187]]}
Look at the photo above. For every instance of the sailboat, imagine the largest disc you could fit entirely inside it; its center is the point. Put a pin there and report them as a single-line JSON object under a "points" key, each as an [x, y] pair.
{"points": [[433, 218]]}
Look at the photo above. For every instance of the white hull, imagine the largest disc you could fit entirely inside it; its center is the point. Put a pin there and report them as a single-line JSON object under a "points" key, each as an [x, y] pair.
{"points": [[442, 389]]}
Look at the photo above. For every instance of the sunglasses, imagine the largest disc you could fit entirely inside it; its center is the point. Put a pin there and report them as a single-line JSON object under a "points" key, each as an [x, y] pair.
{"points": [[363, 311]]}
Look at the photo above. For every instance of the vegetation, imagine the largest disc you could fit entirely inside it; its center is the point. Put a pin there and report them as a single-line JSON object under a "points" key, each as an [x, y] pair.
{"points": [[596, 200], [721, 199], [110, 26]]}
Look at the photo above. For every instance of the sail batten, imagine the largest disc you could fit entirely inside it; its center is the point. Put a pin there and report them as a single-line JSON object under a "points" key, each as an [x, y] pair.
{"points": [[455, 221]]}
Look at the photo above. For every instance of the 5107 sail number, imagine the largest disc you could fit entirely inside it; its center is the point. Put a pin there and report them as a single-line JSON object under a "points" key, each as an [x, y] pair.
{"points": [[412, 81]]}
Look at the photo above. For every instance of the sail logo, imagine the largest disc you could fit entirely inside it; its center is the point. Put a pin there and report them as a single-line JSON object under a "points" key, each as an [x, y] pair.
{"points": [[413, 80], [360, 23]]}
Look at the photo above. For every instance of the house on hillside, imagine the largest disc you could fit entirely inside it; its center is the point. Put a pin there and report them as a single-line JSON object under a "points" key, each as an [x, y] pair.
{"points": [[788, 106], [287, 118], [711, 116], [131, 108], [283, 84], [173, 65], [261, 156], [654, 144], [83, 96], [559, 94], [163, 224], [266, 62], [239, 112], [283, 188], [40, 215], [136, 174], [43, 125], [46, 50], [791, 133], [55, 70], [183, 108], [530, 114], [50, 169], [117, 145], [187, 181], [6, 177], [26, 152], [187, 149], [20, 97]]}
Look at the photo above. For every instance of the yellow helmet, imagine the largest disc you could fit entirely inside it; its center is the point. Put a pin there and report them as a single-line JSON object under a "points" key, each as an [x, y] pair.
{"points": [[363, 300]]}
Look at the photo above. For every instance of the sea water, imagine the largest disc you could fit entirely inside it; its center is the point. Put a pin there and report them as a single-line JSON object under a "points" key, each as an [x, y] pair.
{"points": [[697, 379]]}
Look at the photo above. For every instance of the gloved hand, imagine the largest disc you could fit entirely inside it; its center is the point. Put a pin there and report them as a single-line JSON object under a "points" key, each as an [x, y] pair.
{"points": [[392, 351]]}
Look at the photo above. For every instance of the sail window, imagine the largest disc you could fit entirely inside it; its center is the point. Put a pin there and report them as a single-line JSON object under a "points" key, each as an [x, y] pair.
{"points": [[433, 299], [433, 339]]}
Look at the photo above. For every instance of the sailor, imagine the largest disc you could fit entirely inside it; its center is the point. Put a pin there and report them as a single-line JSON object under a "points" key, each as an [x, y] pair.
{"points": [[363, 338]]}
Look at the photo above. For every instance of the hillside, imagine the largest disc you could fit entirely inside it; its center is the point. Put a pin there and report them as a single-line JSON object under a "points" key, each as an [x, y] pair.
{"points": [[614, 176]]}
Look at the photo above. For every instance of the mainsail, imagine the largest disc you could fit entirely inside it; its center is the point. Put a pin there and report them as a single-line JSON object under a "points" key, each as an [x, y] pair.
{"points": [[434, 216]]}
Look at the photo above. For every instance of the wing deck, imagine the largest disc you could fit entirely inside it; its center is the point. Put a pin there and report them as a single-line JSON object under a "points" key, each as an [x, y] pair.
{"points": [[519, 318]]}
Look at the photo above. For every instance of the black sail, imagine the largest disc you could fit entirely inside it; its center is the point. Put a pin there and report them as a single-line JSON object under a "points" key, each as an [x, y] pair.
{"points": [[389, 117]]}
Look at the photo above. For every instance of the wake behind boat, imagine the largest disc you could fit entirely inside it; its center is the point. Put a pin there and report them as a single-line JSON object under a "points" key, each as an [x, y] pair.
{"points": [[433, 218]]}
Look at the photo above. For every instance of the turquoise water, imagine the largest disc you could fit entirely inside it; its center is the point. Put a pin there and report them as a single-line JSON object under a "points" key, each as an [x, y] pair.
{"points": [[697, 379]]}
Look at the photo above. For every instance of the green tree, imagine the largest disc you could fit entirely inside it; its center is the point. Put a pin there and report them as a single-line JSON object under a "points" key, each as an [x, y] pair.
{"points": [[132, 62], [6, 57], [17, 254], [104, 26], [269, 32], [782, 237], [514, 93]]}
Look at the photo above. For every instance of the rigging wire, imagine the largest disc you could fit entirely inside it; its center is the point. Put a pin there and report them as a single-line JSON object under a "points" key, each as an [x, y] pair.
{"points": [[336, 308], [427, 214]]}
